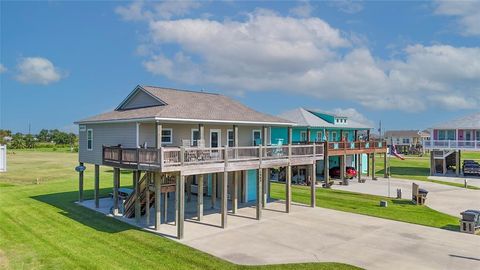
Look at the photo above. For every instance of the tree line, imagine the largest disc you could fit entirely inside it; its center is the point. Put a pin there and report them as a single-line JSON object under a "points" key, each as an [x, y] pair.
{"points": [[45, 138]]}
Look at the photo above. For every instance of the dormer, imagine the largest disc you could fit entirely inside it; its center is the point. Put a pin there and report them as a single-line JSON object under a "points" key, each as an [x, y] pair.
{"points": [[139, 98], [339, 120]]}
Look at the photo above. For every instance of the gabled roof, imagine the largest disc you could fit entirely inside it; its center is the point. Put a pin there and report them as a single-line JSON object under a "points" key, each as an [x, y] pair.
{"points": [[471, 121], [307, 118], [406, 133], [187, 106]]}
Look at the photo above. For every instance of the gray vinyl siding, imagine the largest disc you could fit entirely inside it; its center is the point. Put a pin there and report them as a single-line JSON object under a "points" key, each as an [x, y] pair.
{"points": [[105, 134], [139, 100], [183, 132]]}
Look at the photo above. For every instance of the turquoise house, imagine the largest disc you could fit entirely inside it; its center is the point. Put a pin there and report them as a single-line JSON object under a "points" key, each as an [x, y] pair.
{"points": [[314, 126]]}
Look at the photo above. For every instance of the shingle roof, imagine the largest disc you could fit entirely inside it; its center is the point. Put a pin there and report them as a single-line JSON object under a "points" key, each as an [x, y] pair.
{"points": [[471, 121], [185, 105], [304, 118], [406, 133]]}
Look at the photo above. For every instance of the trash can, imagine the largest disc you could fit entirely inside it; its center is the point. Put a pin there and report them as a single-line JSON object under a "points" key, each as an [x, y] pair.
{"points": [[399, 193]]}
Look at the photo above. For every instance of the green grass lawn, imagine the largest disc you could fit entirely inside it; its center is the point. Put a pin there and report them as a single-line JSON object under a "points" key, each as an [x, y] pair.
{"points": [[416, 168], [400, 210], [41, 227]]}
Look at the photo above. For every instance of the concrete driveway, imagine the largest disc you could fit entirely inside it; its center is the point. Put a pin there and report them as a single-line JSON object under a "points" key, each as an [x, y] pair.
{"points": [[322, 235], [443, 198]]}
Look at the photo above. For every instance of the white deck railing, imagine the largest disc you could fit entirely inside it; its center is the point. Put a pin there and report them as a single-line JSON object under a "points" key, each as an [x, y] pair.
{"points": [[185, 156], [452, 145]]}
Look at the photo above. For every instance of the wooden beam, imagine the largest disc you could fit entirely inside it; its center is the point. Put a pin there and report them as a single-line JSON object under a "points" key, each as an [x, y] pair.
{"points": [[158, 137], [313, 180], [201, 132], [457, 163], [359, 169], [137, 197], [288, 189], [264, 187], [326, 165], [373, 166], [243, 198], [289, 135], [147, 199], [200, 197], [80, 184], [158, 198], [96, 186], [236, 178], [180, 196], [342, 168], [165, 207], [224, 206], [258, 203], [116, 180], [214, 190]]}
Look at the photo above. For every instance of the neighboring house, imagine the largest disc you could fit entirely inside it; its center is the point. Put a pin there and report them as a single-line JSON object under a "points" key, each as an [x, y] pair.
{"points": [[448, 139], [187, 140], [407, 141], [348, 140]]}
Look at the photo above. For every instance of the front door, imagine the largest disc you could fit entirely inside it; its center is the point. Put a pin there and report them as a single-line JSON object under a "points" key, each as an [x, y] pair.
{"points": [[215, 138]]}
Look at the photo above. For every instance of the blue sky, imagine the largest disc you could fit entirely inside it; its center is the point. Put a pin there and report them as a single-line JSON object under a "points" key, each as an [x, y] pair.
{"points": [[408, 64]]}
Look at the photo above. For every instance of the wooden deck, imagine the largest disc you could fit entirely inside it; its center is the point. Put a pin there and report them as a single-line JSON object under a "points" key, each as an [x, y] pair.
{"points": [[357, 147], [201, 160], [451, 145]]}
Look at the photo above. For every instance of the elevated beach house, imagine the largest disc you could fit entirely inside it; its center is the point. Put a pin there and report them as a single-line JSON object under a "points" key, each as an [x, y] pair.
{"points": [[347, 143], [407, 141], [184, 142], [448, 139]]}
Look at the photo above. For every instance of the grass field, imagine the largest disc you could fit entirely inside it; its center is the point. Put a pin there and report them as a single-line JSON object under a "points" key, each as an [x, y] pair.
{"points": [[417, 168], [41, 227], [400, 210]]}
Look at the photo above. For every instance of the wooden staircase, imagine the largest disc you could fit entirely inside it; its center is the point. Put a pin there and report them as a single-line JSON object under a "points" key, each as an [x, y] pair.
{"points": [[144, 187]]}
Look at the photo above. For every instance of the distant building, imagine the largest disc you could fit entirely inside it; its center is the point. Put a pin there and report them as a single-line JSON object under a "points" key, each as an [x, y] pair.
{"points": [[407, 141], [449, 139]]}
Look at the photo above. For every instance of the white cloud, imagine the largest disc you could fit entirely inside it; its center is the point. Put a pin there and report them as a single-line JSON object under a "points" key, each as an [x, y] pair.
{"points": [[146, 11], [37, 70], [306, 56], [466, 12], [303, 10], [454, 102], [354, 115], [2, 69], [348, 6]]}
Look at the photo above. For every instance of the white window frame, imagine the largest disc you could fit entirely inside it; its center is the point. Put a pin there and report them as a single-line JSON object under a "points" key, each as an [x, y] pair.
{"points": [[303, 133], [192, 140], [319, 138], [90, 130], [219, 137], [334, 136], [253, 135], [228, 137], [171, 136]]}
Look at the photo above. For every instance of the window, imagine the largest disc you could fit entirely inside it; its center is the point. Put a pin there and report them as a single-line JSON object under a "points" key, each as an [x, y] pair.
{"points": [[345, 135], [441, 135], [230, 138], [319, 136], [334, 135], [215, 137], [167, 135], [477, 135], [195, 137], [406, 140], [303, 136], [257, 137], [451, 135], [89, 139]]}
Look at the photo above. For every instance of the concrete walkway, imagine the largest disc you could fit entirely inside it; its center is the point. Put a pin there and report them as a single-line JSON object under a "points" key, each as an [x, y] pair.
{"points": [[443, 198], [472, 180], [323, 235]]}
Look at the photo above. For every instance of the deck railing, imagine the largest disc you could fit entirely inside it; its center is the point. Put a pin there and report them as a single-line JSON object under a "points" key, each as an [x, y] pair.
{"points": [[357, 145], [185, 156], [451, 144]]}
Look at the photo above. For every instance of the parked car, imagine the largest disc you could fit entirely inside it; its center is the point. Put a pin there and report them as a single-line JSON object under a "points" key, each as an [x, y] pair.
{"points": [[471, 169], [350, 172]]}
